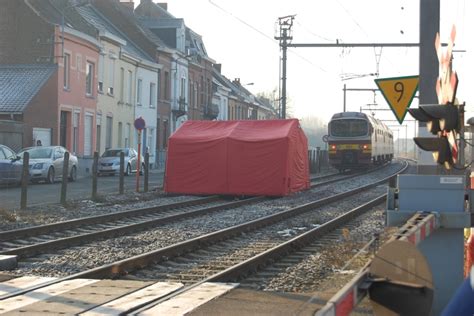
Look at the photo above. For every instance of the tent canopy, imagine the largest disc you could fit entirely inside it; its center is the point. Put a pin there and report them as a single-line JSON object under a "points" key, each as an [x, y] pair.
{"points": [[237, 158]]}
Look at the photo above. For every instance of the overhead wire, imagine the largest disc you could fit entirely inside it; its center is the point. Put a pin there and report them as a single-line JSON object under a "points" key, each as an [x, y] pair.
{"points": [[314, 34], [263, 34]]}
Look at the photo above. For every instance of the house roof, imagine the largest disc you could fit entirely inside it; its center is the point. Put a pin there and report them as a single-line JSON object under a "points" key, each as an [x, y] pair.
{"points": [[155, 23], [96, 19], [61, 11], [148, 7], [20, 83], [194, 42]]}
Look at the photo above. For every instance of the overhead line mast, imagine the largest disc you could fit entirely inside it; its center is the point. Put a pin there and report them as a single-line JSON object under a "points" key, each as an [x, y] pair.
{"points": [[284, 37], [285, 22]]}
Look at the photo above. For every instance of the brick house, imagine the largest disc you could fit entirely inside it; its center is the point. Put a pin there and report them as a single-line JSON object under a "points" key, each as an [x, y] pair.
{"points": [[28, 103], [36, 32]]}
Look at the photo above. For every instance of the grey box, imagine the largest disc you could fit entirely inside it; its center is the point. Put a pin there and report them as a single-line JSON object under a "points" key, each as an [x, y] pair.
{"points": [[434, 193]]}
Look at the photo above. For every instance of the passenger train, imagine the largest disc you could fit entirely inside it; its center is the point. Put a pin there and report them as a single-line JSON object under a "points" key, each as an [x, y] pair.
{"points": [[357, 140]]}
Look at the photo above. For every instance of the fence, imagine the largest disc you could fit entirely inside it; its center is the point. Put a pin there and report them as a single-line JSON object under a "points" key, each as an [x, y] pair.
{"points": [[318, 160], [91, 186], [66, 187]]}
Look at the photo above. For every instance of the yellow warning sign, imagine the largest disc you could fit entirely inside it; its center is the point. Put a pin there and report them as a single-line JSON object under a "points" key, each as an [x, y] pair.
{"points": [[398, 92]]}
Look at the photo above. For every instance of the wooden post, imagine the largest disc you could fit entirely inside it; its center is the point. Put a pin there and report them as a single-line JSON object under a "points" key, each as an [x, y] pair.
{"points": [[122, 173], [25, 177], [94, 176], [65, 178], [147, 160]]}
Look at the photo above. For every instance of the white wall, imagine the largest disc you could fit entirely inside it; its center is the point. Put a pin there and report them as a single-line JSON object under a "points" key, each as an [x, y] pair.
{"points": [[146, 110]]}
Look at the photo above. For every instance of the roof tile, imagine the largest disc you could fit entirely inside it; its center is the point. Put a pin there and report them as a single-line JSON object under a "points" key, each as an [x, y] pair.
{"points": [[20, 83]]}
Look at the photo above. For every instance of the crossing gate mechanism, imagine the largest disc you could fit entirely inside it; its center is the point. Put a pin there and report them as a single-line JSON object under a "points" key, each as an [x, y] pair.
{"points": [[398, 279]]}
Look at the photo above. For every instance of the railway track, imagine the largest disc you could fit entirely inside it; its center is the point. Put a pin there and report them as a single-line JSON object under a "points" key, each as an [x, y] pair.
{"points": [[261, 254], [33, 240]]}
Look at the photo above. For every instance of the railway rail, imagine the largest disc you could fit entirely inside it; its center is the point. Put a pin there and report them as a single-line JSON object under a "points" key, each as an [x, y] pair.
{"points": [[32, 240], [240, 268]]}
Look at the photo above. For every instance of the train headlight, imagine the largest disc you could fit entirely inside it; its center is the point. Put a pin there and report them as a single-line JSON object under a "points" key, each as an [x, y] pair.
{"points": [[333, 147]]}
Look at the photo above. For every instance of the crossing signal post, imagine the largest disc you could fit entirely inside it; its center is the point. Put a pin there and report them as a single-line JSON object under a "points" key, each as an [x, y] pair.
{"points": [[446, 119], [446, 122]]}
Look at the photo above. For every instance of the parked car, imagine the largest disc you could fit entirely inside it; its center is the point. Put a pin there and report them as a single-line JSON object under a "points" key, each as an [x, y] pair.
{"points": [[10, 166], [109, 162], [46, 163]]}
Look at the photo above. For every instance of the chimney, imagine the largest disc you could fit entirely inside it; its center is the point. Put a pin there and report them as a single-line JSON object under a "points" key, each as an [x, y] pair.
{"points": [[218, 67], [127, 4], [163, 5], [237, 81]]}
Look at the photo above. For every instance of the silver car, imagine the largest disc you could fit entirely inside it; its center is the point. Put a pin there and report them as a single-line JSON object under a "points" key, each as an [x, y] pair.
{"points": [[109, 162], [46, 163]]}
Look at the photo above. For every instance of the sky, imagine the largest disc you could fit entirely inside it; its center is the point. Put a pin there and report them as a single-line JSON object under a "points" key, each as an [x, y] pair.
{"points": [[240, 36]]}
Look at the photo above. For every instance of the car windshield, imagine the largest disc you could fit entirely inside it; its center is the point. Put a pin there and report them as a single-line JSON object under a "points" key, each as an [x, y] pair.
{"points": [[114, 152], [38, 153]]}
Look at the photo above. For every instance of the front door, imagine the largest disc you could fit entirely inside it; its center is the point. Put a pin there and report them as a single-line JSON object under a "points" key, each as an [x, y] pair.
{"points": [[63, 129]]}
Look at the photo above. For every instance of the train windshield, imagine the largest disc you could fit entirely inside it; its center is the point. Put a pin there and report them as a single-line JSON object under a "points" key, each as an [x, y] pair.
{"points": [[349, 128]]}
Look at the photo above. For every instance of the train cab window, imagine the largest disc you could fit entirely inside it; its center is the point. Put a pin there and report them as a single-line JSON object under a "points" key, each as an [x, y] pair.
{"points": [[349, 128]]}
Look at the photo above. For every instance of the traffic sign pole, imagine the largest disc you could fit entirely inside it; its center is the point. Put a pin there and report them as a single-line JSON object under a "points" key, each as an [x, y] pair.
{"points": [[139, 125], [138, 160]]}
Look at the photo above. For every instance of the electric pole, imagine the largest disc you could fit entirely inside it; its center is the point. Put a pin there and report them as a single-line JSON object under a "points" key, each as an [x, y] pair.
{"points": [[284, 37]]}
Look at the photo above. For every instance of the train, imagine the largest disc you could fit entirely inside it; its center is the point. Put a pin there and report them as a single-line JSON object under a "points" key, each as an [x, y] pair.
{"points": [[357, 140]]}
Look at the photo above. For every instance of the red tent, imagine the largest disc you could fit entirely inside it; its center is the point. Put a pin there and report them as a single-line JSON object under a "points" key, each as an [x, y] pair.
{"points": [[237, 158]]}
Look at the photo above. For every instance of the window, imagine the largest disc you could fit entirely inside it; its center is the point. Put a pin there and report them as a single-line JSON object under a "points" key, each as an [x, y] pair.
{"points": [[100, 84], [89, 78], [183, 87], [139, 92], [111, 76], [159, 84], [152, 94], [129, 87], [67, 68], [167, 92], [127, 135], [165, 134], [108, 132], [202, 91], [75, 132], [209, 94], [122, 82], [98, 134], [120, 134], [190, 89], [8, 153], [195, 95], [150, 141], [88, 135], [349, 128]]}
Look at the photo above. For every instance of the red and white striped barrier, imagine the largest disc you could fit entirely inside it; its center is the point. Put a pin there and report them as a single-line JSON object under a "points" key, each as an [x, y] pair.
{"points": [[347, 298], [417, 228]]}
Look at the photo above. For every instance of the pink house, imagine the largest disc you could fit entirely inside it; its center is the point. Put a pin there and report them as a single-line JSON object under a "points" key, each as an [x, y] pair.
{"points": [[77, 91]]}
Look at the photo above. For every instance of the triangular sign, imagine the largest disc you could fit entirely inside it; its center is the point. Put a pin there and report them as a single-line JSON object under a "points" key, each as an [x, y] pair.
{"points": [[398, 92]]}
